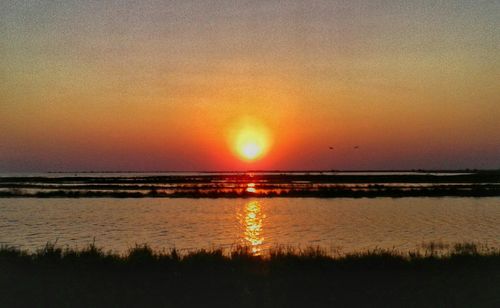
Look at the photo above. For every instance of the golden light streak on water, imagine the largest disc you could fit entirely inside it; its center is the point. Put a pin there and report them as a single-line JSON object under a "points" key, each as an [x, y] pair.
{"points": [[253, 226], [251, 188]]}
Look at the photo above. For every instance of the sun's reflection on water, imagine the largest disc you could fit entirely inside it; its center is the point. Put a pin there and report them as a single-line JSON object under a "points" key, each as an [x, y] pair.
{"points": [[251, 188], [253, 226]]}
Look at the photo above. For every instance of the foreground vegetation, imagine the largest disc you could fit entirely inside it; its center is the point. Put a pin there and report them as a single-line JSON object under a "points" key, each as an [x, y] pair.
{"points": [[461, 275]]}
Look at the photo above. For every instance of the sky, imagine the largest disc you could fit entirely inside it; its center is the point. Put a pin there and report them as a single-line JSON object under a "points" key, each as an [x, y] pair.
{"points": [[166, 85]]}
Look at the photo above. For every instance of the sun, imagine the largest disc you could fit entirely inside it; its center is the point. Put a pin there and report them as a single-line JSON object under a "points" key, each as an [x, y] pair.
{"points": [[251, 150], [251, 141], [250, 144]]}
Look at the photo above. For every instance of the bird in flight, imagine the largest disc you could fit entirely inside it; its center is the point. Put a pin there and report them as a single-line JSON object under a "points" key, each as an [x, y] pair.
{"points": [[356, 147]]}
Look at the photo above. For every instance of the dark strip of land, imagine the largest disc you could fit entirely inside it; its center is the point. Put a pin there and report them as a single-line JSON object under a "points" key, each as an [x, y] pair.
{"points": [[477, 184], [338, 192], [490, 176], [53, 277]]}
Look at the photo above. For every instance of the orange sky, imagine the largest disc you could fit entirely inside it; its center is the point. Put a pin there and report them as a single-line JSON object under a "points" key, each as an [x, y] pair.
{"points": [[159, 86]]}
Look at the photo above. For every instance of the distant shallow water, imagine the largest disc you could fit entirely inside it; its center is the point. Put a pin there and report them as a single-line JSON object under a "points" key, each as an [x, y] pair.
{"points": [[349, 224], [252, 185], [160, 174]]}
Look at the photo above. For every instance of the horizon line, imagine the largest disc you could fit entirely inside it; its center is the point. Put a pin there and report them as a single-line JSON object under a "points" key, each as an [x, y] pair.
{"points": [[263, 171]]}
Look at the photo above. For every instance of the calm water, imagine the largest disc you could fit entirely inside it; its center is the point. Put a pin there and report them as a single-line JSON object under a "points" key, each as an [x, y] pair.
{"points": [[352, 224]]}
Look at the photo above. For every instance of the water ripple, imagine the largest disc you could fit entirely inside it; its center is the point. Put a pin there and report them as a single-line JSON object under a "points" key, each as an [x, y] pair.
{"points": [[352, 224]]}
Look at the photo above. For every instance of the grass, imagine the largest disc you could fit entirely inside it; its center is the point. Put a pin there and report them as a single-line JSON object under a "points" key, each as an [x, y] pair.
{"points": [[464, 274]]}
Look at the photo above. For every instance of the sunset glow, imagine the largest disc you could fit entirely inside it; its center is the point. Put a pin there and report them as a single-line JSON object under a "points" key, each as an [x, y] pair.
{"points": [[249, 151], [133, 86]]}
